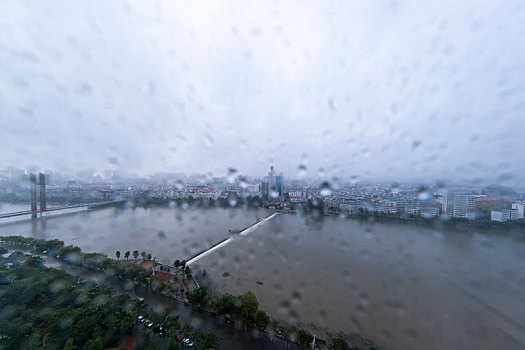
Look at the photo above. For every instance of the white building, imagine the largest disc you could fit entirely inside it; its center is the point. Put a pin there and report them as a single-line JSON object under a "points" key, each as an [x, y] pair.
{"points": [[504, 215], [297, 196], [519, 207], [459, 205]]}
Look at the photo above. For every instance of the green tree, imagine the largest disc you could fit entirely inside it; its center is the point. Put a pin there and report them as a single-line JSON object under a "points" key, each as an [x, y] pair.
{"points": [[69, 345], [340, 344], [135, 254], [225, 304], [35, 342], [187, 330], [174, 345], [248, 309], [94, 344], [284, 333], [34, 261], [262, 321], [117, 253], [199, 296], [126, 255], [176, 263], [304, 339], [211, 341], [148, 256], [143, 254], [175, 325]]}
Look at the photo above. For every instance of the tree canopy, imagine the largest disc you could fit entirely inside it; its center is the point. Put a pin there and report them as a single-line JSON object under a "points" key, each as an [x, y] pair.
{"points": [[42, 303]]}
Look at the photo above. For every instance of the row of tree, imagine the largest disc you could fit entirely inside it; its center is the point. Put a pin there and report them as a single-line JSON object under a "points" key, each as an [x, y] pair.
{"points": [[145, 256], [245, 307], [38, 244]]}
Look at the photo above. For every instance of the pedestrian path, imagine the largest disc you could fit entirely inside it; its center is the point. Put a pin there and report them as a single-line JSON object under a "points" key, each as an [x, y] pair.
{"points": [[225, 242]]}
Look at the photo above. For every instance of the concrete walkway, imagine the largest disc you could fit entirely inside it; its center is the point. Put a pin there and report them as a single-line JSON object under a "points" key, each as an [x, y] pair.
{"points": [[244, 232]]}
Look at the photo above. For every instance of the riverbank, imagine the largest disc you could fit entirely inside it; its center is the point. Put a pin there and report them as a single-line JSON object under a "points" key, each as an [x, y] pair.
{"points": [[514, 228], [108, 268]]}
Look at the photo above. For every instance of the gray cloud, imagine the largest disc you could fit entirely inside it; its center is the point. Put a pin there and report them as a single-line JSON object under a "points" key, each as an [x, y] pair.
{"points": [[381, 90]]}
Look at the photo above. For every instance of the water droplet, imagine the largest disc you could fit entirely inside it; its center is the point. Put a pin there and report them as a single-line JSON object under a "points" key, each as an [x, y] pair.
{"points": [[394, 188], [302, 171], [243, 182], [424, 194], [232, 199], [84, 89], [325, 189], [231, 175], [331, 104]]}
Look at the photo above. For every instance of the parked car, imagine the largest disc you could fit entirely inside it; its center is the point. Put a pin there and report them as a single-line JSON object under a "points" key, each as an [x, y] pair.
{"points": [[140, 319], [179, 337], [188, 342], [148, 323]]}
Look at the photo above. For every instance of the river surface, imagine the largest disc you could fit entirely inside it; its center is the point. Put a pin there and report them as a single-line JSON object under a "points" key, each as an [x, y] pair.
{"points": [[403, 286]]}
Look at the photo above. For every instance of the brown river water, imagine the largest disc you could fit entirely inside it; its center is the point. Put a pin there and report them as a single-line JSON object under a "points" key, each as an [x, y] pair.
{"points": [[403, 286]]}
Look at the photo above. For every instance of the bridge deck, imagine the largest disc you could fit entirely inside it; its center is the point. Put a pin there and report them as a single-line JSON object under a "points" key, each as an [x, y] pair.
{"points": [[28, 212]]}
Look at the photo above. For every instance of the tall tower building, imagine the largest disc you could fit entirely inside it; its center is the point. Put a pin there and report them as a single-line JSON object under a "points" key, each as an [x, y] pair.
{"points": [[32, 180], [42, 182], [264, 187], [272, 185]]}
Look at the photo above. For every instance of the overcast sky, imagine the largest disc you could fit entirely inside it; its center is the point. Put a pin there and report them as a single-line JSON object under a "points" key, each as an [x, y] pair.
{"points": [[400, 90]]}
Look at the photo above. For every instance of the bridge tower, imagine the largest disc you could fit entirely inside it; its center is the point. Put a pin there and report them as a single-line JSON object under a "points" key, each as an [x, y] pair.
{"points": [[42, 181], [32, 180]]}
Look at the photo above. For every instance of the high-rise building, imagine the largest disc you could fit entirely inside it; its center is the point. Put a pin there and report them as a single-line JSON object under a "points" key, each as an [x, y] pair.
{"points": [[272, 185], [42, 182], [32, 179], [520, 209], [459, 205], [264, 187]]}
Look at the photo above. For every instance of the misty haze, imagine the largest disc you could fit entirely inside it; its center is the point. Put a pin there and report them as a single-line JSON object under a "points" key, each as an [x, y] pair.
{"points": [[262, 175]]}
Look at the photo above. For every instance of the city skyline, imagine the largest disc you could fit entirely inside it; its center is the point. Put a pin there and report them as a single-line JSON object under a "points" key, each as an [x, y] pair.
{"points": [[235, 178]]}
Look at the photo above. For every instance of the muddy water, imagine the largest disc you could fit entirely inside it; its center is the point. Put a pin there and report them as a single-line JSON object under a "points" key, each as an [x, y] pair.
{"points": [[403, 286], [166, 233]]}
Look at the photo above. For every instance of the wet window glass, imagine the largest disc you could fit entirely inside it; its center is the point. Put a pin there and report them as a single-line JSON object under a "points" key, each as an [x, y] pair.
{"points": [[262, 175]]}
